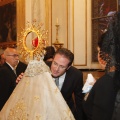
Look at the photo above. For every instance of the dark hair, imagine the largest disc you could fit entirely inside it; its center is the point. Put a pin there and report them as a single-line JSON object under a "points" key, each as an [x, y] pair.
{"points": [[100, 41], [67, 53], [50, 51]]}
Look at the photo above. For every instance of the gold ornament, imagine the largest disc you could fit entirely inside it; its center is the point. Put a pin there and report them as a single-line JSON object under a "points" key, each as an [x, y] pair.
{"points": [[38, 51]]}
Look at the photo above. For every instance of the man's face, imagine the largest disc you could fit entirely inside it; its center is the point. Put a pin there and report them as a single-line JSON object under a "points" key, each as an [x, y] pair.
{"points": [[59, 65], [12, 58]]}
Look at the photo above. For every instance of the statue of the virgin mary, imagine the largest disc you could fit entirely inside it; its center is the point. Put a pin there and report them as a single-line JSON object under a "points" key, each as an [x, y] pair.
{"points": [[36, 97]]}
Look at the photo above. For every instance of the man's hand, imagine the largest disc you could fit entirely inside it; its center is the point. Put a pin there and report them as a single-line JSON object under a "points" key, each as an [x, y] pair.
{"points": [[19, 78]]}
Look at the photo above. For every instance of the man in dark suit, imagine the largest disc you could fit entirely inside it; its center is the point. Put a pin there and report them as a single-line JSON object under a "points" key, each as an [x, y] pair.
{"points": [[21, 67], [70, 80], [8, 75]]}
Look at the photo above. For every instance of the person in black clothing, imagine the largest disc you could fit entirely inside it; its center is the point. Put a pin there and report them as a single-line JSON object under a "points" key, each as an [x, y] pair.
{"points": [[116, 112], [100, 102], [7, 74]]}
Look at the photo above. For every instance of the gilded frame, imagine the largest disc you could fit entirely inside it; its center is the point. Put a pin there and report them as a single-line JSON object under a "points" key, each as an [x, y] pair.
{"points": [[20, 20]]}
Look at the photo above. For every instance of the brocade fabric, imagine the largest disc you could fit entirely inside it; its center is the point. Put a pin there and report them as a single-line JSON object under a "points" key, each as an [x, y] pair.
{"points": [[36, 97]]}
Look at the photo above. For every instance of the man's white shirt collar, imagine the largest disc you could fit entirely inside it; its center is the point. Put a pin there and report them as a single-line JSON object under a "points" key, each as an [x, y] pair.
{"points": [[61, 80]]}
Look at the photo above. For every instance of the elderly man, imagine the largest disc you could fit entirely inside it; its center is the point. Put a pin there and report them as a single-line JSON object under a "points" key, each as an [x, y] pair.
{"points": [[8, 74]]}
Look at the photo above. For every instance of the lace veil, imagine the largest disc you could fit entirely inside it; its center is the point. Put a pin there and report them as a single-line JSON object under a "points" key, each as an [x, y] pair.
{"points": [[110, 48]]}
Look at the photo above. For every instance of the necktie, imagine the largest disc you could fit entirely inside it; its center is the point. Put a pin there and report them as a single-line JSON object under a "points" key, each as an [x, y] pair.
{"points": [[57, 81], [15, 71]]}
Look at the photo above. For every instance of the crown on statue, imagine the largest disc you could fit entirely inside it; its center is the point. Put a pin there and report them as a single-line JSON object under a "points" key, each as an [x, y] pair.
{"points": [[35, 49]]}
